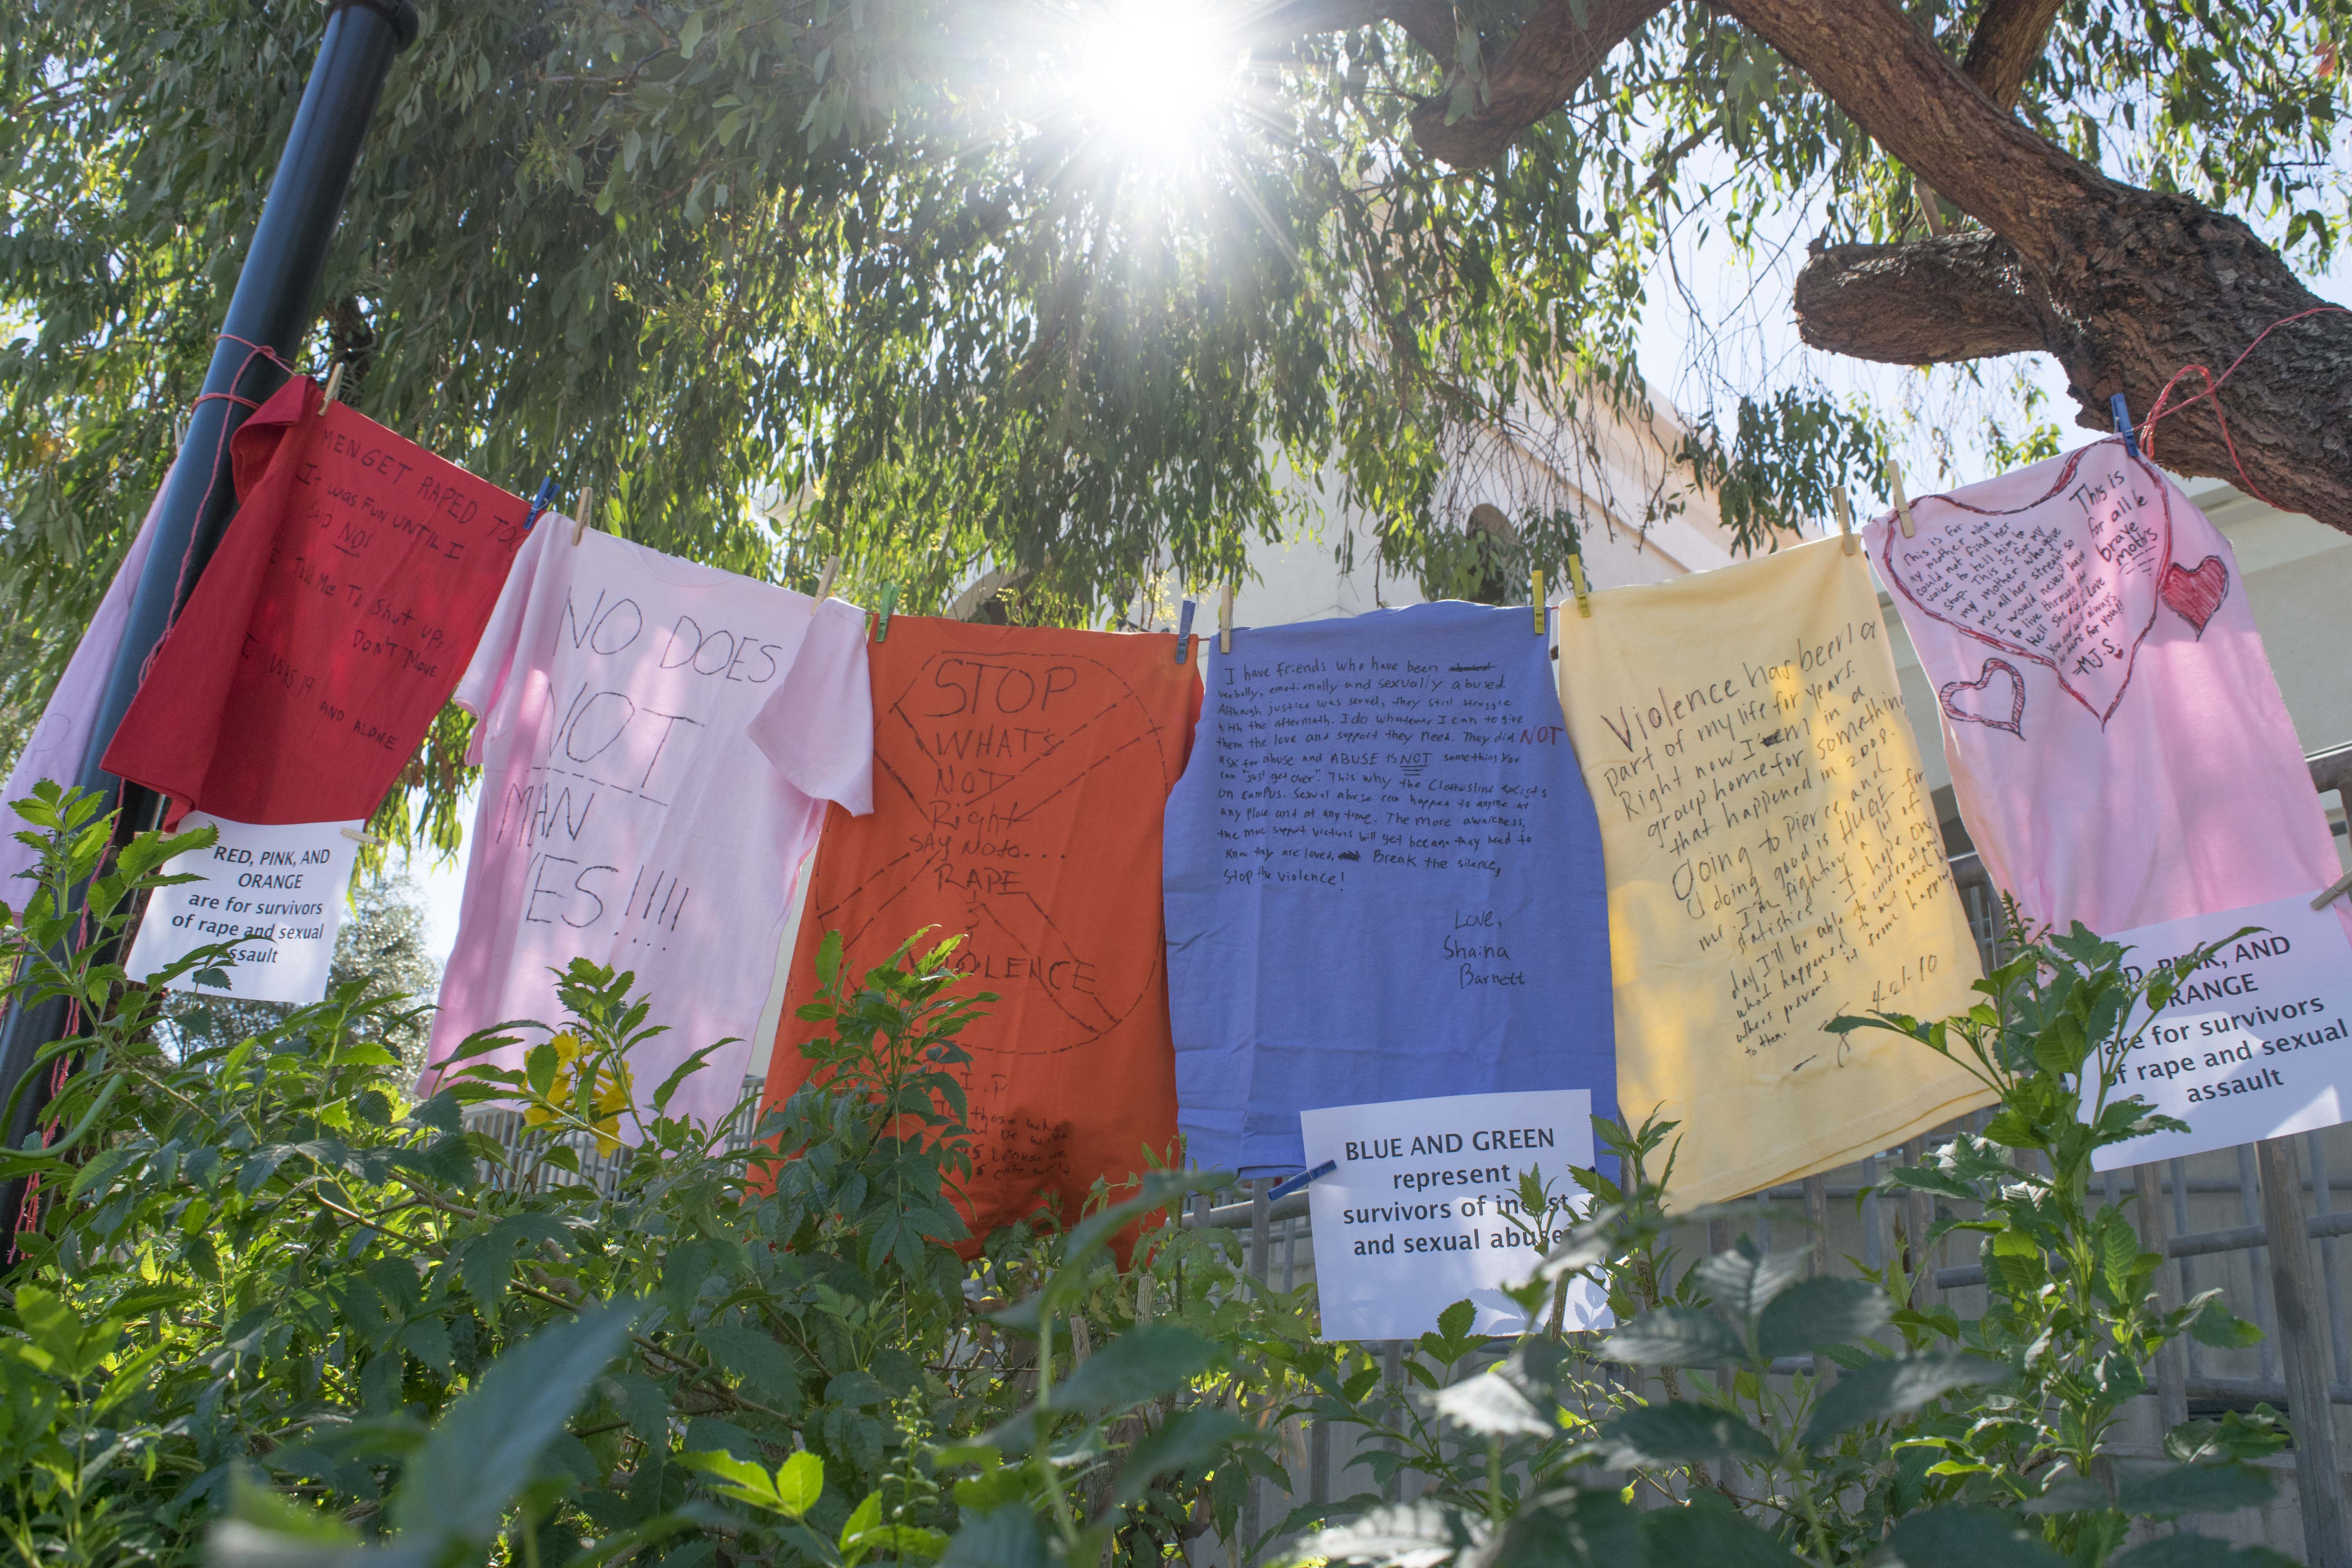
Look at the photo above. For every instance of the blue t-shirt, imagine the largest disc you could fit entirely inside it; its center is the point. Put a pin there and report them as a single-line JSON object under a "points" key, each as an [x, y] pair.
{"points": [[1383, 881]]}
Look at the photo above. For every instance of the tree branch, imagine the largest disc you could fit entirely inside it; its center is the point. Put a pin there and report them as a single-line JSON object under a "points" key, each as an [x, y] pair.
{"points": [[1549, 60], [1890, 77], [1931, 301], [2009, 38]]}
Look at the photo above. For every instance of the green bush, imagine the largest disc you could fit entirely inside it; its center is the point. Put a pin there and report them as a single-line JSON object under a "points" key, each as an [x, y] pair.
{"points": [[278, 1311]]}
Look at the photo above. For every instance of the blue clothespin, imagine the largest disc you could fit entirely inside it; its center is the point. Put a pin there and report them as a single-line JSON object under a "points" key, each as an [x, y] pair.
{"points": [[882, 616], [540, 502], [1299, 1182], [1184, 634], [2123, 424]]}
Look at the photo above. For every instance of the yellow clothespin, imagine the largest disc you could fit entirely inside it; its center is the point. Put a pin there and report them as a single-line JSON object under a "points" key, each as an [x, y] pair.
{"points": [[1538, 601], [334, 383], [2343, 886], [1894, 489], [587, 509], [824, 582], [356, 836], [1576, 581], [1225, 619], [1845, 517]]}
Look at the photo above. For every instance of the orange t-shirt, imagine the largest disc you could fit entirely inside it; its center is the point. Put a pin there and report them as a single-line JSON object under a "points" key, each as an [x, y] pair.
{"points": [[1020, 777]]}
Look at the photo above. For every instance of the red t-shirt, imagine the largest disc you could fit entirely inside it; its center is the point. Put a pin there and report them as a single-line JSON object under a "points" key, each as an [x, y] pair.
{"points": [[329, 628]]}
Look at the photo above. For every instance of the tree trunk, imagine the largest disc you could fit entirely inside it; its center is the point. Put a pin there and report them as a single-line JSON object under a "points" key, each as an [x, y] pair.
{"points": [[2149, 284], [2125, 287]]}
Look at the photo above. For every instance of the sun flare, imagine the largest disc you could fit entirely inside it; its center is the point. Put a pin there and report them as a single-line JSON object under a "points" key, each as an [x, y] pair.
{"points": [[1151, 76]]}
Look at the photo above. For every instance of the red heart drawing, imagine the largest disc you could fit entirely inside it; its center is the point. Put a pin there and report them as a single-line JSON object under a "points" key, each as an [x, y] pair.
{"points": [[2195, 596], [2068, 580], [1950, 694]]}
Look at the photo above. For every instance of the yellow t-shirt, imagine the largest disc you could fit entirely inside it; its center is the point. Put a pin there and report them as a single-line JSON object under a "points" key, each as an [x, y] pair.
{"points": [[1773, 862]]}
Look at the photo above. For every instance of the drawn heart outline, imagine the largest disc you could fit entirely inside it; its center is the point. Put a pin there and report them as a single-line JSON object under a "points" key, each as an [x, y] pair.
{"points": [[2195, 596], [1891, 563], [2015, 724]]}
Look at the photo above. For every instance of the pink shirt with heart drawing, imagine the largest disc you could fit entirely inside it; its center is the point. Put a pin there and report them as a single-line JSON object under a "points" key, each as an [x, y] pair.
{"points": [[2116, 739]]}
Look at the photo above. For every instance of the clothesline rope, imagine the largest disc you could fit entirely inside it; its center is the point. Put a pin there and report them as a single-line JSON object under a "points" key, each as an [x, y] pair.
{"points": [[2212, 390]]}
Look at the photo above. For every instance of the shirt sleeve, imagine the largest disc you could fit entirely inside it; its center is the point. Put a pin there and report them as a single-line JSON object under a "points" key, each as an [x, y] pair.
{"points": [[493, 666], [818, 728]]}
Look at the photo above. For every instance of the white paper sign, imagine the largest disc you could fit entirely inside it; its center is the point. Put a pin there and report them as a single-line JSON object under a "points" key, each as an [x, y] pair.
{"points": [[1419, 1215], [277, 892], [2259, 1043]]}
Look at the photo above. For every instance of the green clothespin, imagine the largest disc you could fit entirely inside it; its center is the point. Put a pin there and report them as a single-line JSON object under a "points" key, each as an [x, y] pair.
{"points": [[882, 616]]}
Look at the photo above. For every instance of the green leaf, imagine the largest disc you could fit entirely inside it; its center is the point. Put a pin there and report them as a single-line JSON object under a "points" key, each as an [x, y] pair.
{"points": [[2238, 1434], [1139, 1365], [768, 1370], [863, 1517], [2218, 1326], [1821, 1312], [1743, 1280], [1003, 1537], [1576, 1526], [1963, 1537], [800, 1481], [1401, 1535], [641, 1400], [1680, 1433], [744, 1481], [1490, 1404], [1933, 1179], [1675, 1336], [2120, 1256], [1186, 1439], [2166, 1491], [458, 1487], [1695, 1537], [1881, 1389]]}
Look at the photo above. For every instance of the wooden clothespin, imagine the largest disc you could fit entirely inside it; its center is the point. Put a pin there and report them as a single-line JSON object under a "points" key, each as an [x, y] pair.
{"points": [[2122, 411], [356, 836], [2343, 886], [1225, 619], [334, 384], [824, 582], [882, 616], [1539, 601], [1894, 489], [1845, 517], [1184, 634], [1576, 581], [587, 509]]}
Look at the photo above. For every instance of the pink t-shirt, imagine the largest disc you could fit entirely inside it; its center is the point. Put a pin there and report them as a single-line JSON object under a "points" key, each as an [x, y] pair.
{"points": [[54, 749], [2117, 743], [626, 815]]}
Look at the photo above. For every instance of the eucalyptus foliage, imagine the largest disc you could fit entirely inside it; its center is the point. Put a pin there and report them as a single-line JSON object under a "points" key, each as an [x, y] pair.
{"points": [[881, 267]]}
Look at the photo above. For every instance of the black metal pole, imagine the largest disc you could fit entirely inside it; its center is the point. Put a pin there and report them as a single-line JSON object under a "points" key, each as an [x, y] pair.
{"points": [[275, 302]]}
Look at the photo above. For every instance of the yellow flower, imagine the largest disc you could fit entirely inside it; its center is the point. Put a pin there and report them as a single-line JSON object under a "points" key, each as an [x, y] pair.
{"points": [[610, 1092]]}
